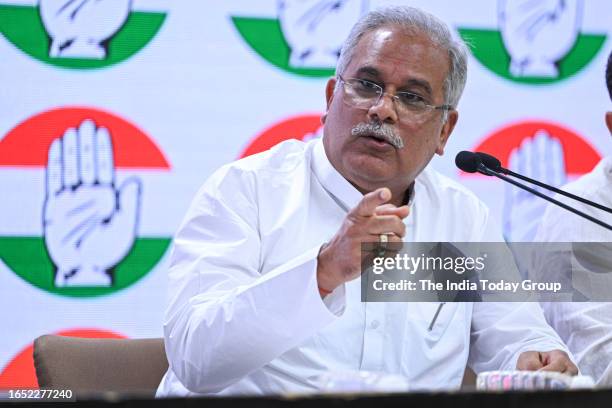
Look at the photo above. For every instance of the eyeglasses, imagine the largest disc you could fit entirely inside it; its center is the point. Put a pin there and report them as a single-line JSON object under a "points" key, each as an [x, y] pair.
{"points": [[364, 94]]}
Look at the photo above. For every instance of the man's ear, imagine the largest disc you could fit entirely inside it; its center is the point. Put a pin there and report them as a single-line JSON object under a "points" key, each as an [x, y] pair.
{"points": [[609, 121], [329, 91], [446, 131], [329, 96]]}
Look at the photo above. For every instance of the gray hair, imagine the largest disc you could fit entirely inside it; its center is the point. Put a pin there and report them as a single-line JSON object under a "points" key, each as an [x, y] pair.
{"points": [[414, 20]]}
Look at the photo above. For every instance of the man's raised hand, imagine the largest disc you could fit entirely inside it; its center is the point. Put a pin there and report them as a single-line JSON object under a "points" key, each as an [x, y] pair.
{"points": [[340, 259]]}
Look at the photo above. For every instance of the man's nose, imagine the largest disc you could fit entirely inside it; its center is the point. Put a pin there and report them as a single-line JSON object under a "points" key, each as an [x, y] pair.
{"points": [[384, 109]]}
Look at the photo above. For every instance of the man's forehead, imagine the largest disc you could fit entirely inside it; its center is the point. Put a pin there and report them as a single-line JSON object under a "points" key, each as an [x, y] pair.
{"points": [[410, 53], [395, 42], [379, 36]]}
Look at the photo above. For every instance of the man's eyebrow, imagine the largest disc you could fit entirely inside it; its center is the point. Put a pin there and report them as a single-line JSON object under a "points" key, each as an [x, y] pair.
{"points": [[419, 83], [410, 83], [370, 71]]}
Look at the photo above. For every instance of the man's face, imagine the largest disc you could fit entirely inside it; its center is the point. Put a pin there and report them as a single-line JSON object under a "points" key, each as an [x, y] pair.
{"points": [[396, 61]]}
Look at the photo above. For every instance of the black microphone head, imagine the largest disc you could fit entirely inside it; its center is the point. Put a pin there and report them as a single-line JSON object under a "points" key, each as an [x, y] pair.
{"points": [[467, 161], [491, 162]]}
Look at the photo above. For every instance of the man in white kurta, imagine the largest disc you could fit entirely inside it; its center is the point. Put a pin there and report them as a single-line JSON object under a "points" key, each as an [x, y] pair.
{"points": [[246, 316], [586, 327], [264, 278]]}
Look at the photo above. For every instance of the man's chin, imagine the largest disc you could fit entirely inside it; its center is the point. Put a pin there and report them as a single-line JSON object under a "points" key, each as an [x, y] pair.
{"points": [[371, 174]]}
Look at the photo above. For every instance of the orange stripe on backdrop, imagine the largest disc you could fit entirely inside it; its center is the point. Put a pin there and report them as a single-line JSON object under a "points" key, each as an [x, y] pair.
{"points": [[580, 156], [19, 373], [27, 144], [296, 127]]}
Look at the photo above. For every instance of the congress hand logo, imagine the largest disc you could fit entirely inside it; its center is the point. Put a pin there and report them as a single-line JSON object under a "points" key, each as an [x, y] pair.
{"points": [[83, 222], [316, 29], [302, 37], [540, 158], [536, 42], [80, 34], [545, 151], [89, 224], [78, 28], [538, 34]]}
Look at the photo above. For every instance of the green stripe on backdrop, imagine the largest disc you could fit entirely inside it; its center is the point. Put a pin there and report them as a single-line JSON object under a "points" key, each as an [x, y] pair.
{"points": [[488, 47], [23, 27], [265, 36], [27, 257]]}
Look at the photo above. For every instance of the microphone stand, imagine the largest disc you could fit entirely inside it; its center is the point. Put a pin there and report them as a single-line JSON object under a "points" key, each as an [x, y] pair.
{"points": [[488, 172], [553, 189]]}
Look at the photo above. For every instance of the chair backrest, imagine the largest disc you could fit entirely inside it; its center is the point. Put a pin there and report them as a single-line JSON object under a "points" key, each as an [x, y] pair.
{"points": [[89, 366]]}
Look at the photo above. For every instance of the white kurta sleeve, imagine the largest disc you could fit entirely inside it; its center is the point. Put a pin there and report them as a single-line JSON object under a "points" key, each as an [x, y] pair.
{"points": [[501, 331], [225, 318]]}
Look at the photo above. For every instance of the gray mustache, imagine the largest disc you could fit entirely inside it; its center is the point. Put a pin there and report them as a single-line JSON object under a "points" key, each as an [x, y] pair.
{"points": [[379, 130]]}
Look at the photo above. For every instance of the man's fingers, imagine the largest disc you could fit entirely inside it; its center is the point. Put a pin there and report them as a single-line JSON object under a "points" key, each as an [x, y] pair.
{"points": [[384, 207], [395, 244], [370, 201], [571, 369], [558, 361], [555, 360], [386, 224], [558, 366], [530, 361], [390, 209], [372, 245]]}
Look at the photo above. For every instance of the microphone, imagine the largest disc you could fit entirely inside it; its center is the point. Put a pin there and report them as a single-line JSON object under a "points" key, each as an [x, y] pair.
{"points": [[468, 162], [491, 162], [494, 164], [472, 162]]}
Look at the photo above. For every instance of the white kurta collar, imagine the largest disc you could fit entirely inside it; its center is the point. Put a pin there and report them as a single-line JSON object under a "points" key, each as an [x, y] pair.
{"points": [[333, 182]]}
